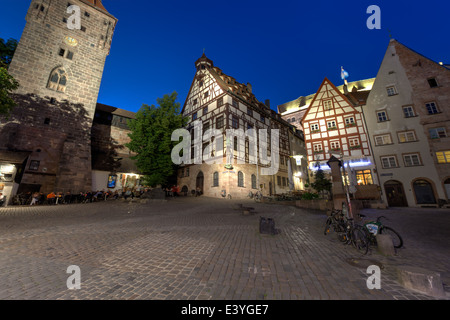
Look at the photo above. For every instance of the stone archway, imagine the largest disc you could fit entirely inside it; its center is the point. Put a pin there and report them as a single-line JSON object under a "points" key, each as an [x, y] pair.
{"points": [[395, 194], [199, 181], [423, 191]]}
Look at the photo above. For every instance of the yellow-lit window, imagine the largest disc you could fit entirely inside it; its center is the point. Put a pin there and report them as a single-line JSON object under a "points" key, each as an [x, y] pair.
{"points": [[443, 156], [364, 177]]}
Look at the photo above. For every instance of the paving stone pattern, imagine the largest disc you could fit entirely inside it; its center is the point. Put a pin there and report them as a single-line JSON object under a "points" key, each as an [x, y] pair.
{"points": [[194, 249]]}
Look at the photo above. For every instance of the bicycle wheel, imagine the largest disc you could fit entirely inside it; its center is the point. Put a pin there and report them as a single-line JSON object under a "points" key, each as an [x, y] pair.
{"points": [[327, 227], [359, 240], [396, 239]]}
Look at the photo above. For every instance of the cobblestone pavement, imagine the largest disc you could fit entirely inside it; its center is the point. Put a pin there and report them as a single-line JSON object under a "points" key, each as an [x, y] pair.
{"points": [[203, 248]]}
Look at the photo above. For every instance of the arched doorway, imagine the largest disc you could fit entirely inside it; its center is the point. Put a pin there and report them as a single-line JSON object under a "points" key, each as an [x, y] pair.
{"points": [[395, 194], [423, 191], [199, 181]]}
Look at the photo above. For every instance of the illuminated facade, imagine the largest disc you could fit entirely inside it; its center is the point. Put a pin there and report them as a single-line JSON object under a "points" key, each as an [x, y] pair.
{"points": [[333, 123], [408, 116], [219, 102]]}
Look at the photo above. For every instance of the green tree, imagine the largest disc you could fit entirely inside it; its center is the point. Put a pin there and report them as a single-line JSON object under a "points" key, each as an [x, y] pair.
{"points": [[7, 50], [150, 135], [321, 183], [7, 85]]}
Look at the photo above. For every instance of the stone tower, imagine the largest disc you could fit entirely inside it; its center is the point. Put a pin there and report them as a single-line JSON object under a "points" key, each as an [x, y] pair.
{"points": [[53, 60], [59, 70]]}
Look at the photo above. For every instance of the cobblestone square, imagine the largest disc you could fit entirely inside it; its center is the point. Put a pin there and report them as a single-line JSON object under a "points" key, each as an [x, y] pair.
{"points": [[204, 249]]}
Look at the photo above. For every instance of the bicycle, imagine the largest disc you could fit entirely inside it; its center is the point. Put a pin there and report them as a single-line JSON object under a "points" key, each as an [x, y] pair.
{"points": [[336, 220], [372, 228], [347, 231]]}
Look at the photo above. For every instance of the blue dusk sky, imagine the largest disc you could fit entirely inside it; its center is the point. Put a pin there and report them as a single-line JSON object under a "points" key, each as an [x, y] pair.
{"points": [[283, 48]]}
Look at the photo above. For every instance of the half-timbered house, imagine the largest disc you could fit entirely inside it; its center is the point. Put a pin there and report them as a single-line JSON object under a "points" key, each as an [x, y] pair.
{"points": [[334, 125], [219, 102]]}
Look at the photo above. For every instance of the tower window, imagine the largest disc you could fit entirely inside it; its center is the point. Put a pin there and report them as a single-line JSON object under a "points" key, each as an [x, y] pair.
{"points": [[69, 55], [47, 121], [87, 14], [83, 29], [432, 82], [62, 52], [58, 80]]}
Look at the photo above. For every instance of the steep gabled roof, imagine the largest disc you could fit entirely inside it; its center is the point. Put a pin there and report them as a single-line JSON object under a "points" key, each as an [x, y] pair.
{"points": [[230, 85], [325, 82]]}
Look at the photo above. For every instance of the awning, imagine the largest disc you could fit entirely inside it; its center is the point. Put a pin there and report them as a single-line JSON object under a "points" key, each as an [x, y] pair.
{"points": [[13, 157]]}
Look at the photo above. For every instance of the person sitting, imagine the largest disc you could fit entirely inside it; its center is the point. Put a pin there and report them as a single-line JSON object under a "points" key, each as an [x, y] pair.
{"points": [[51, 198], [35, 198]]}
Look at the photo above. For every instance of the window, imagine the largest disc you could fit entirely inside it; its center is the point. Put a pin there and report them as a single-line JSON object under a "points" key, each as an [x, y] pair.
{"points": [[206, 94], [391, 91], [83, 29], [205, 110], [240, 179], [433, 83], [215, 179], [283, 179], [249, 126], [69, 55], [253, 181], [47, 121], [354, 143], [383, 139], [431, 108], [249, 112], [235, 123], [317, 148], [62, 52], [364, 177], [349, 121], [406, 136], [411, 160], [205, 126], [235, 103], [382, 116], [335, 146], [389, 162], [327, 105], [87, 14], [220, 102], [34, 165], [293, 120], [200, 83], [219, 122], [437, 133], [443, 156], [314, 127], [279, 180], [194, 116], [408, 112], [58, 80], [331, 125], [195, 102], [262, 119]]}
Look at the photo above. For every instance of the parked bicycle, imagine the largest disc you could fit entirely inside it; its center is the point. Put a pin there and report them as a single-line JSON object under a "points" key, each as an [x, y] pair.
{"points": [[347, 230], [336, 222], [372, 228]]}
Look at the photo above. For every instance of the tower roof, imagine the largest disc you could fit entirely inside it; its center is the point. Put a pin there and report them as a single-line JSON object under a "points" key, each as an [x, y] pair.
{"points": [[96, 3]]}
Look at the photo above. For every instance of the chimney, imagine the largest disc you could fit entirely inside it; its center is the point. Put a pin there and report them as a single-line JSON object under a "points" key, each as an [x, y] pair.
{"points": [[249, 87], [267, 103], [345, 89]]}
